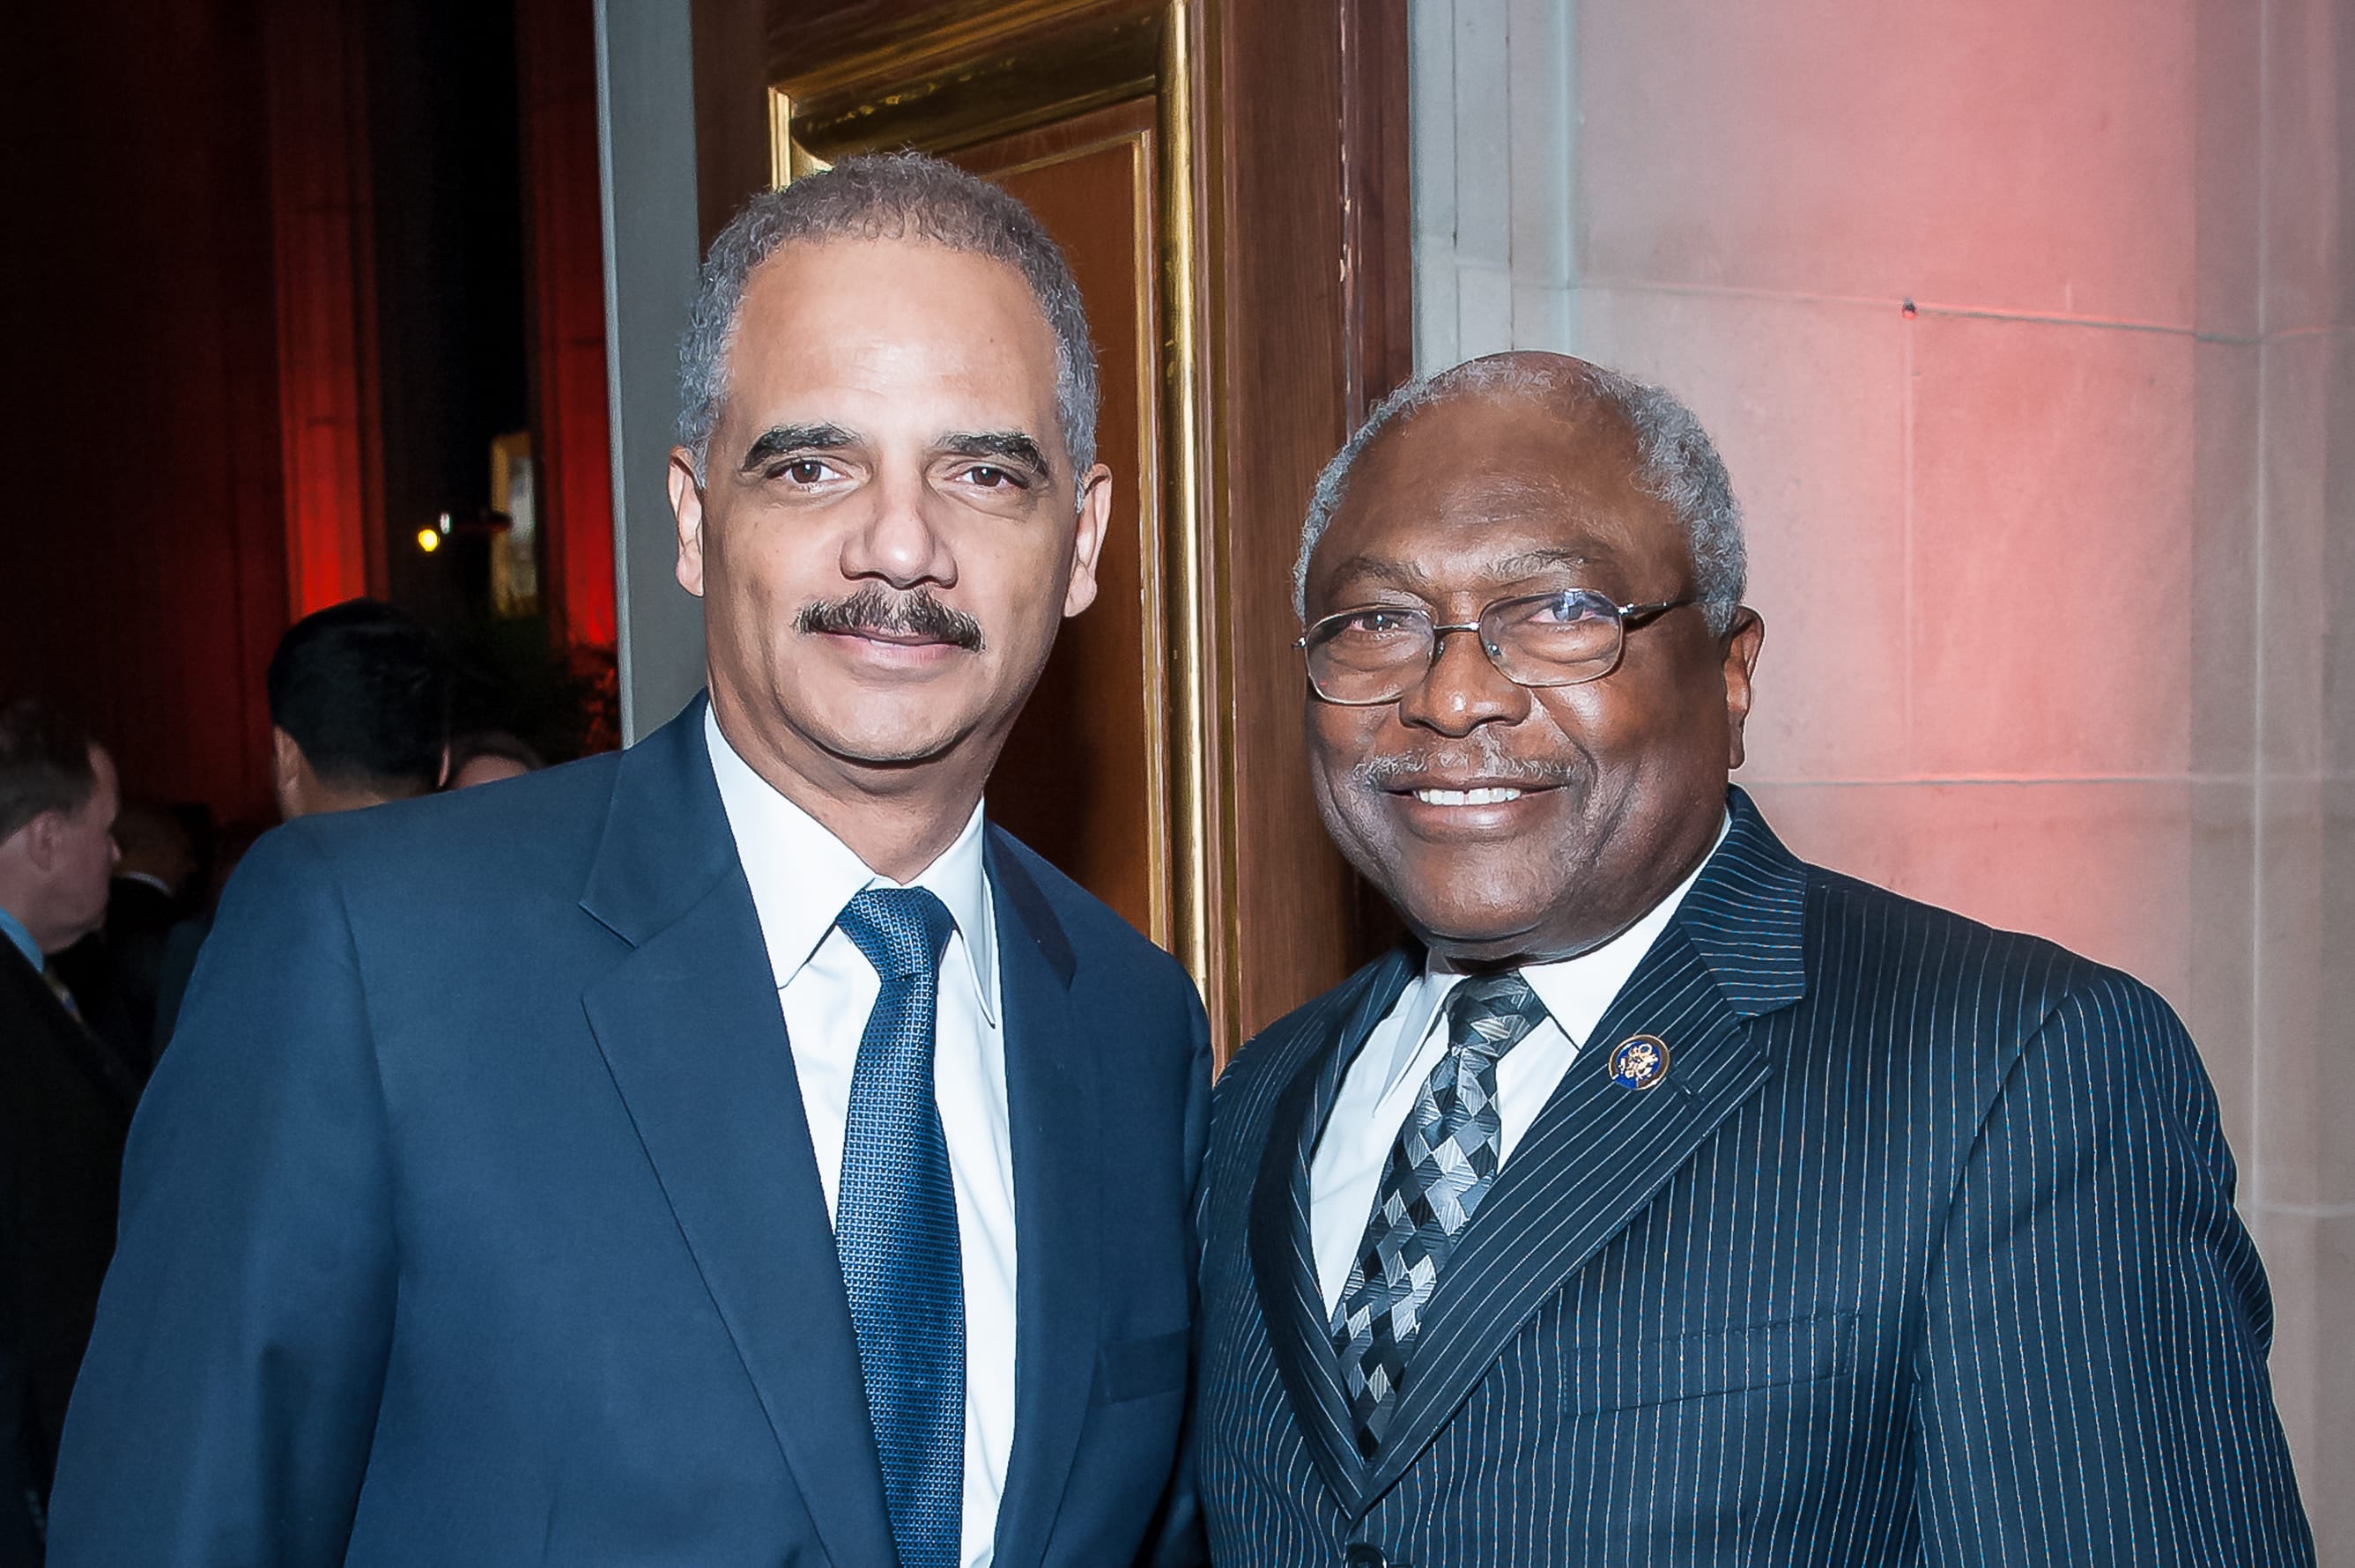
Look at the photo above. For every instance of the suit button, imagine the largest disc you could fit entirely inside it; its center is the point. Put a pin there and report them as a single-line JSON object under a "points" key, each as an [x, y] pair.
{"points": [[1361, 1555]]}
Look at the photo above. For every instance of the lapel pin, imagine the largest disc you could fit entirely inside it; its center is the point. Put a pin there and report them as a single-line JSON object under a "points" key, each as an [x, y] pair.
{"points": [[1640, 1062]]}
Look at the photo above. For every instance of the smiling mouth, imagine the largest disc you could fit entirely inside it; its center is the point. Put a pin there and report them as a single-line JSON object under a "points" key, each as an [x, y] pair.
{"points": [[1486, 795]]}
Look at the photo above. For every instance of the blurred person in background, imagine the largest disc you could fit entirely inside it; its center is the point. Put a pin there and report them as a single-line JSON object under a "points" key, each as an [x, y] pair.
{"points": [[359, 715], [114, 972], [64, 1107], [486, 756]]}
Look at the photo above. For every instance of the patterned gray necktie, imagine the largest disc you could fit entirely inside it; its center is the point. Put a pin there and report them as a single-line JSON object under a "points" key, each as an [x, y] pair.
{"points": [[1440, 1168]]}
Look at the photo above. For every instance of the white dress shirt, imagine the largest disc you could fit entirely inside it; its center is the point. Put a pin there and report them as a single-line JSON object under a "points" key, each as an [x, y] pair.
{"points": [[802, 876], [1380, 1086]]}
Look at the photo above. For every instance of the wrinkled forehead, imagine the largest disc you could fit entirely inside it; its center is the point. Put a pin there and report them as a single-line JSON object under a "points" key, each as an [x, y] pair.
{"points": [[1483, 485], [890, 317]]}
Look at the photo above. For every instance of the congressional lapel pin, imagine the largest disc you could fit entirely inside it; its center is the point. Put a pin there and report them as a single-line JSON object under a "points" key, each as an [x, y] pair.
{"points": [[1640, 1062]]}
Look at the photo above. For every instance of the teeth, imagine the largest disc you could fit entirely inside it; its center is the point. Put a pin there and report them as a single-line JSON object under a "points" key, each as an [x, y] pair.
{"points": [[1485, 796]]}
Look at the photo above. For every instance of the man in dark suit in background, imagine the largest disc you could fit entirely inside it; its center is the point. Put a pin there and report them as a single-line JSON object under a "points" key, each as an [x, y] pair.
{"points": [[1667, 1199], [359, 715], [64, 1103], [116, 972], [730, 1151]]}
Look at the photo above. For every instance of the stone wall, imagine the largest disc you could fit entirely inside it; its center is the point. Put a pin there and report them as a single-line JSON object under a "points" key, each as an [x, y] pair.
{"points": [[2026, 332]]}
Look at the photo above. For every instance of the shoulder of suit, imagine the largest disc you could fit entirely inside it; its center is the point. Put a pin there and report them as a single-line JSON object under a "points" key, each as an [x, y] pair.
{"points": [[1895, 926], [551, 819], [1978, 989]]}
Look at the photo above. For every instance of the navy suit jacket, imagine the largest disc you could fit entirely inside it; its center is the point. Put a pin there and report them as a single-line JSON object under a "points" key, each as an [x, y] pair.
{"points": [[1923, 1252], [471, 1216]]}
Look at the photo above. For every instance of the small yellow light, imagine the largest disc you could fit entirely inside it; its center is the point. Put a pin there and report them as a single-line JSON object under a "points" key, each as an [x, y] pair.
{"points": [[429, 541]]}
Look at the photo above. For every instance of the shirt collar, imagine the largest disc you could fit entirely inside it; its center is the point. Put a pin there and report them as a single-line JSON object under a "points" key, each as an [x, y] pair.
{"points": [[802, 875], [1576, 991], [21, 939]]}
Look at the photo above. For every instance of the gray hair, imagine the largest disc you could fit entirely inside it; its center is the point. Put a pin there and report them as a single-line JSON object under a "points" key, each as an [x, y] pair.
{"points": [[1676, 462], [891, 196]]}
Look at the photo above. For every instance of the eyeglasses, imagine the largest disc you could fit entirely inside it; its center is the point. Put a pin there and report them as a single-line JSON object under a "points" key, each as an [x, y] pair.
{"points": [[1366, 656]]}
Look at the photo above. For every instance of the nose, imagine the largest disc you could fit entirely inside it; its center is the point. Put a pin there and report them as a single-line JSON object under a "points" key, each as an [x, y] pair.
{"points": [[898, 542], [1461, 690]]}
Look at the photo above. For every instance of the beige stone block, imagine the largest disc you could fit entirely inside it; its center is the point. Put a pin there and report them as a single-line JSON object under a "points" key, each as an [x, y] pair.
{"points": [[2338, 552], [2311, 1264], [1538, 82], [2219, 998], [2152, 878], [2306, 266], [1803, 399], [2010, 154], [1436, 338], [2228, 112], [2052, 550], [1483, 309], [1541, 316], [1483, 206], [2294, 602], [2306, 991], [2223, 649], [1431, 95]]}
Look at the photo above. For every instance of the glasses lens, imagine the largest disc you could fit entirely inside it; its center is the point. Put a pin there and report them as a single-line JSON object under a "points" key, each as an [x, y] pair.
{"points": [[1554, 639], [1368, 655]]}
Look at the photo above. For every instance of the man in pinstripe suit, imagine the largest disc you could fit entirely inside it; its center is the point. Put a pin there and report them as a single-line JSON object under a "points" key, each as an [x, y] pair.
{"points": [[1667, 1199]]}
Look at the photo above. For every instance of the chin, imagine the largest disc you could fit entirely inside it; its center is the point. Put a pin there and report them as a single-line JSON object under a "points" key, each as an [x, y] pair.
{"points": [[1458, 928]]}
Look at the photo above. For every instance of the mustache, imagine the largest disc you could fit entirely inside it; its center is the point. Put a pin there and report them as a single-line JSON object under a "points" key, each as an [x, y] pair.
{"points": [[1484, 758], [916, 614]]}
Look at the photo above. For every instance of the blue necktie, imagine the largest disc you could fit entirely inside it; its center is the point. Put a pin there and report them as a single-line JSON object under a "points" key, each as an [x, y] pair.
{"points": [[1441, 1165], [895, 1230]]}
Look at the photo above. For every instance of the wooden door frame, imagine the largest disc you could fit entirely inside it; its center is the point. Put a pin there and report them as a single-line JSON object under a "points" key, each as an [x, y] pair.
{"points": [[1286, 301]]}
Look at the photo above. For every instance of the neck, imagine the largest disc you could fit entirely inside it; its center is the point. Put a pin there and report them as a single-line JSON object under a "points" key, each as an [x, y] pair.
{"points": [[320, 798], [47, 936], [897, 818]]}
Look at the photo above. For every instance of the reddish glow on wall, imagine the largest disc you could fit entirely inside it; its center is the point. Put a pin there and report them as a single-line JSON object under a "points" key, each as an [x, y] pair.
{"points": [[325, 304], [564, 263]]}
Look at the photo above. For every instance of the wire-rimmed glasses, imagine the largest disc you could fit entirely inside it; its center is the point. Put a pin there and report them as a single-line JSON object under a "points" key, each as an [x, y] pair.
{"points": [[1376, 652]]}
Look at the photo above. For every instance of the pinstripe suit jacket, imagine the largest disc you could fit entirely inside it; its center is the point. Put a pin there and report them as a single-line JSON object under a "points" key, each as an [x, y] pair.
{"points": [[1924, 1252]]}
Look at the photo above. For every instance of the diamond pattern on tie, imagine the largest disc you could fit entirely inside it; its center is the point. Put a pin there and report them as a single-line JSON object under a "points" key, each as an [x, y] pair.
{"points": [[895, 1230], [1441, 1165]]}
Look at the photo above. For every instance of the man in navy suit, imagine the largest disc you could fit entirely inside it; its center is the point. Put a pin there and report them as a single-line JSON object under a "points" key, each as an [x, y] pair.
{"points": [[1666, 1199], [732, 1151]]}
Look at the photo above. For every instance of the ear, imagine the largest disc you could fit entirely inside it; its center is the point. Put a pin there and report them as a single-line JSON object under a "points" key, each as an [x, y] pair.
{"points": [[1743, 640], [44, 838], [442, 780], [285, 765], [1092, 524], [687, 506]]}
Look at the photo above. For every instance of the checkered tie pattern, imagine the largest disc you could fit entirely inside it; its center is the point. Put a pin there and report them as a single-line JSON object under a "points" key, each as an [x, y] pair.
{"points": [[895, 1228], [58, 989], [1441, 1168]]}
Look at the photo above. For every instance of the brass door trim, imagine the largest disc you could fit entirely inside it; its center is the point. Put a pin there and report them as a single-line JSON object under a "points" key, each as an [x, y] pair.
{"points": [[976, 72]]}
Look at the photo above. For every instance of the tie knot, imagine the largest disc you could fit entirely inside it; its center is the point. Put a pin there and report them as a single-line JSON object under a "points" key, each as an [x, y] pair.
{"points": [[1489, 1013], [902, 931]]}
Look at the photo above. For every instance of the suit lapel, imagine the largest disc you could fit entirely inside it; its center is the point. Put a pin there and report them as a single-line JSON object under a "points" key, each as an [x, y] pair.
{"points": [[691, 1030], [1051, 1091], [1283, 1254], [1599, 1152]]}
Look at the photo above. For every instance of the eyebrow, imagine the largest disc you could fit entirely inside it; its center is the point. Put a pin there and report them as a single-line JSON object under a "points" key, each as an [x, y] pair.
{"points": [[1529, 563], [1402, 574], [779, 440], [1010, 444], [1407, 575]]}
